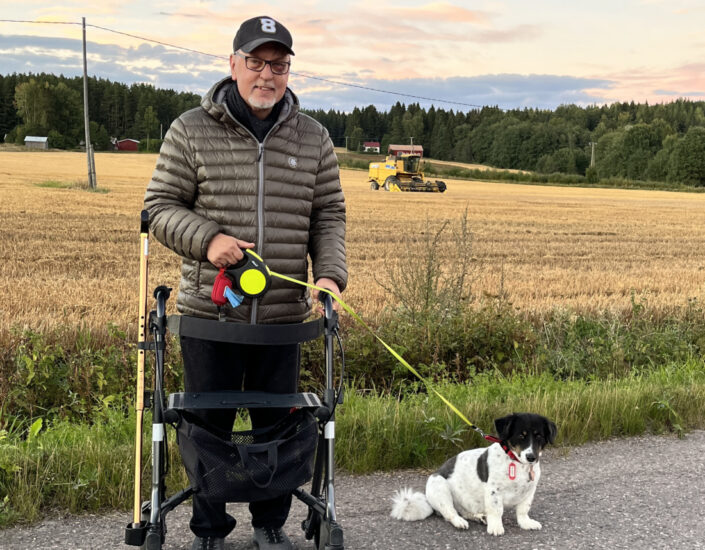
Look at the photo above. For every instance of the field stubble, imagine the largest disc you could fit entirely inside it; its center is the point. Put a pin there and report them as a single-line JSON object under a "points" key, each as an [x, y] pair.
{"points": [[70, 257]]}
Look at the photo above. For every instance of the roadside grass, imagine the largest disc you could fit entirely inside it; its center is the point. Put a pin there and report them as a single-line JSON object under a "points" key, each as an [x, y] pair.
{"points": [[383, 433], [81, 185], [89, 467], [70, 466]]}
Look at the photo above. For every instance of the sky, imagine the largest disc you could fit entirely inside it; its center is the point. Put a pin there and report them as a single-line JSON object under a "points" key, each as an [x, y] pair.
{"points": [[455, 54]]}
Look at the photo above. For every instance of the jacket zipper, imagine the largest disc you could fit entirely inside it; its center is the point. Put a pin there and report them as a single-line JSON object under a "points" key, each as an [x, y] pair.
{"points": [[260, 197], [260, 216]]}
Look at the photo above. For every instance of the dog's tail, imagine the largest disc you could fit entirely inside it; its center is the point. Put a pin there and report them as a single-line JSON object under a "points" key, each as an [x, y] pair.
{"points": [[410, 505]]}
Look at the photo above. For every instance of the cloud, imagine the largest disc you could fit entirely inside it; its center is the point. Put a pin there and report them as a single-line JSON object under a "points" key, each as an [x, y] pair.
{"points": [[379, 28], [645, 84], [520, 33], [185, 15], [438, 11], [145, 63]]}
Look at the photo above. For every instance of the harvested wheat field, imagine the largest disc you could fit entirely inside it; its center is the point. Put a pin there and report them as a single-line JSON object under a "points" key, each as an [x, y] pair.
{"points": [[70, 257]]}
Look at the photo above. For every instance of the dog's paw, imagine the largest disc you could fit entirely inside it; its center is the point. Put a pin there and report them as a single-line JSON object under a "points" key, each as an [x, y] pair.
{"points": [[529, 524], [479, 517], [459, 522], [495, 528], [494, 525]]}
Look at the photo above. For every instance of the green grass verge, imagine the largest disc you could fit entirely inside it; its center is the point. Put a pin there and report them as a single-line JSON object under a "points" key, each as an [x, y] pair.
{"points": [[380, 433], [81, 467], [81, 185]]}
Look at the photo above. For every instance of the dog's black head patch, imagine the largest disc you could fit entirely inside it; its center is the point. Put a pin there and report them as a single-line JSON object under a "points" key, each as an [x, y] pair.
{"points": [[522, 431]]}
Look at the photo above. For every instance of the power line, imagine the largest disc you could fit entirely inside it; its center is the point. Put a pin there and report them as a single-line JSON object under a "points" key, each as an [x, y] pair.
{"points": [[116, 32], [336, 82], [387, 91], [158, 42], [40, 22]]}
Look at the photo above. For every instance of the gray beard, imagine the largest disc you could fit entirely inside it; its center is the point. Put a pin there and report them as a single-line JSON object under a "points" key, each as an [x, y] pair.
{"points": [[261, 105]]}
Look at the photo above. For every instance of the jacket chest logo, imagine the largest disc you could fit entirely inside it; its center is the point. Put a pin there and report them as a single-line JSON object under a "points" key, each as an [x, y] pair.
{"points": [[293, 162]]}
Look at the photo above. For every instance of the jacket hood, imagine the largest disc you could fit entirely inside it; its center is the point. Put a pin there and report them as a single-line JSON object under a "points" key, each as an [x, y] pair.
{"points": [[214, 102]]}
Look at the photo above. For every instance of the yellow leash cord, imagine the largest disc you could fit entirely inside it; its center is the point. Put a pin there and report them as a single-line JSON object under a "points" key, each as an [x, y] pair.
{"points": [[398, 357]]}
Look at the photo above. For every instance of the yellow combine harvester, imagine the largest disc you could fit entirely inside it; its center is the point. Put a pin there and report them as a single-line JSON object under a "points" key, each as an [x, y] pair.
{"points": [[401, 173]]}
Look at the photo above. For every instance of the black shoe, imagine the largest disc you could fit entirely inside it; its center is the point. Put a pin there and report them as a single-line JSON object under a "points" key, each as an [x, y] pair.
{"points": [[208, 543], [269, 538]]}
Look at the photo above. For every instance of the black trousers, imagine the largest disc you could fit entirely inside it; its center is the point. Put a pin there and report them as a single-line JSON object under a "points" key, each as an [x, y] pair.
{"points": [[218, 366]]}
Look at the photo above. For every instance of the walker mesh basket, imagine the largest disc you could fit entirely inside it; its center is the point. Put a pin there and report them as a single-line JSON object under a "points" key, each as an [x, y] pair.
{"points": [[251, 465]]}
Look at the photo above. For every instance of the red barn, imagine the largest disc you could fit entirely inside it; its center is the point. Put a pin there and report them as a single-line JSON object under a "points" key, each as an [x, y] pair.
{"points": [[127, 144]]}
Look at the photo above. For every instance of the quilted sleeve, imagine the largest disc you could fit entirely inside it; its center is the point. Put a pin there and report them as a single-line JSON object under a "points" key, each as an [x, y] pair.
{"points": [[327, 231], [170, 197]]}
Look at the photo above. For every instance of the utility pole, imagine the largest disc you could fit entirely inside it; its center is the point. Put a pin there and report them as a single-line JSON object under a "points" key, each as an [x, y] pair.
{"points": [[86, 123], [592, 154], [346, 143]]}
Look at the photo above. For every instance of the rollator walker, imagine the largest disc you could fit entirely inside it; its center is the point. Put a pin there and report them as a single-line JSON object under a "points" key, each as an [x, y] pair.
{"points": [[237, 466]]}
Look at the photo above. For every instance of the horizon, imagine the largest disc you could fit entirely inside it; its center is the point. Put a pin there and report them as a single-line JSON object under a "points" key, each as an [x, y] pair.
{"points": [[442, 53], [401, 100]]}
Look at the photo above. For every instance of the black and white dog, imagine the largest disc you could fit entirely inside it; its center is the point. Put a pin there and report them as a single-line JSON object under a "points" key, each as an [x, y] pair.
{"points": [[480, 483]]}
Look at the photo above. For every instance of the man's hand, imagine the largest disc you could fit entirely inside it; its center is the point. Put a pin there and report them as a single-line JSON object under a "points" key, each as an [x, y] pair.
{"points": [[331, 285], [225, 250]]}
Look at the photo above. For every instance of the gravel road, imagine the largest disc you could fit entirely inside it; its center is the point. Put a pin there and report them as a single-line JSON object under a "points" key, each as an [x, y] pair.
{"points": [[637, 493]]}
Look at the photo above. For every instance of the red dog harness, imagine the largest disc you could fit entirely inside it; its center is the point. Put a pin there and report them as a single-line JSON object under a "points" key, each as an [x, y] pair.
{"points": [[512, 467]]}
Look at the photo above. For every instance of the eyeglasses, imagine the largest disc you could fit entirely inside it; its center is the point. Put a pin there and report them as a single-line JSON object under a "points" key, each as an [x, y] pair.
{"points": [[256, 64]]}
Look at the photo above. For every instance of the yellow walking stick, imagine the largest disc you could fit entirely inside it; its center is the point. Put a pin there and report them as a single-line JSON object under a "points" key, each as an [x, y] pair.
{"points": [[141, 338]]}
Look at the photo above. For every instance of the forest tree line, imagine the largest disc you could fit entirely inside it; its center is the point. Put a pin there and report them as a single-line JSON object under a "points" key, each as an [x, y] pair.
{"points": [[52, 106], [661, 142]]}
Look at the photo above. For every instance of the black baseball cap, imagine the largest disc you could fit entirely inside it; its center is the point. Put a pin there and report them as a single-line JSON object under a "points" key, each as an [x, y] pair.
{"points": [[260, 30]]}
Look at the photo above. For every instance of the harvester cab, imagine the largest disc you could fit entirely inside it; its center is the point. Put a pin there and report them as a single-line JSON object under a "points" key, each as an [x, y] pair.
{"points": [[401, 173]]}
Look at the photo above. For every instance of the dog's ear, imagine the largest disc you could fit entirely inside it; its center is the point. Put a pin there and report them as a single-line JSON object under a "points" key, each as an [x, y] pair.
{"points": [[550, 431], [504, 425]]}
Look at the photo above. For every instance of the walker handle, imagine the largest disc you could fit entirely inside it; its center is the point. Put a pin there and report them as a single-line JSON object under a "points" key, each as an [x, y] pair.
{"points": [[327, 301]]}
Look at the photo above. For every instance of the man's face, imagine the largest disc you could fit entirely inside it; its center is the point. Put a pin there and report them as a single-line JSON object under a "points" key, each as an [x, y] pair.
{"points": [[261, 91]]}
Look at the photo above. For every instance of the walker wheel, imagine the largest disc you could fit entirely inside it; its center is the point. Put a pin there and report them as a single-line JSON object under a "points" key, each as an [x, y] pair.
{"points": [[153, 541]]}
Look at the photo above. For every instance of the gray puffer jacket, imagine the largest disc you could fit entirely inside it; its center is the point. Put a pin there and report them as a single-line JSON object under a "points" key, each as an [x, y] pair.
{"points": [[213, 176]]}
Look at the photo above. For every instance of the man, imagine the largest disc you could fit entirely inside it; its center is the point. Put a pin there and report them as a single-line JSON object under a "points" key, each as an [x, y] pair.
{"points": [[244, 170]]}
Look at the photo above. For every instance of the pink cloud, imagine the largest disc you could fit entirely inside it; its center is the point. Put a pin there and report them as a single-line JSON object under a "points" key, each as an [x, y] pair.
{"points": [[515, 34], [440, 11], [656, 86]]}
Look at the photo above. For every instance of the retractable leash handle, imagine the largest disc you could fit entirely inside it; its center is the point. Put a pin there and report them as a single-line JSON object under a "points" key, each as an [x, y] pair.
{"points": [[250, 275]]}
